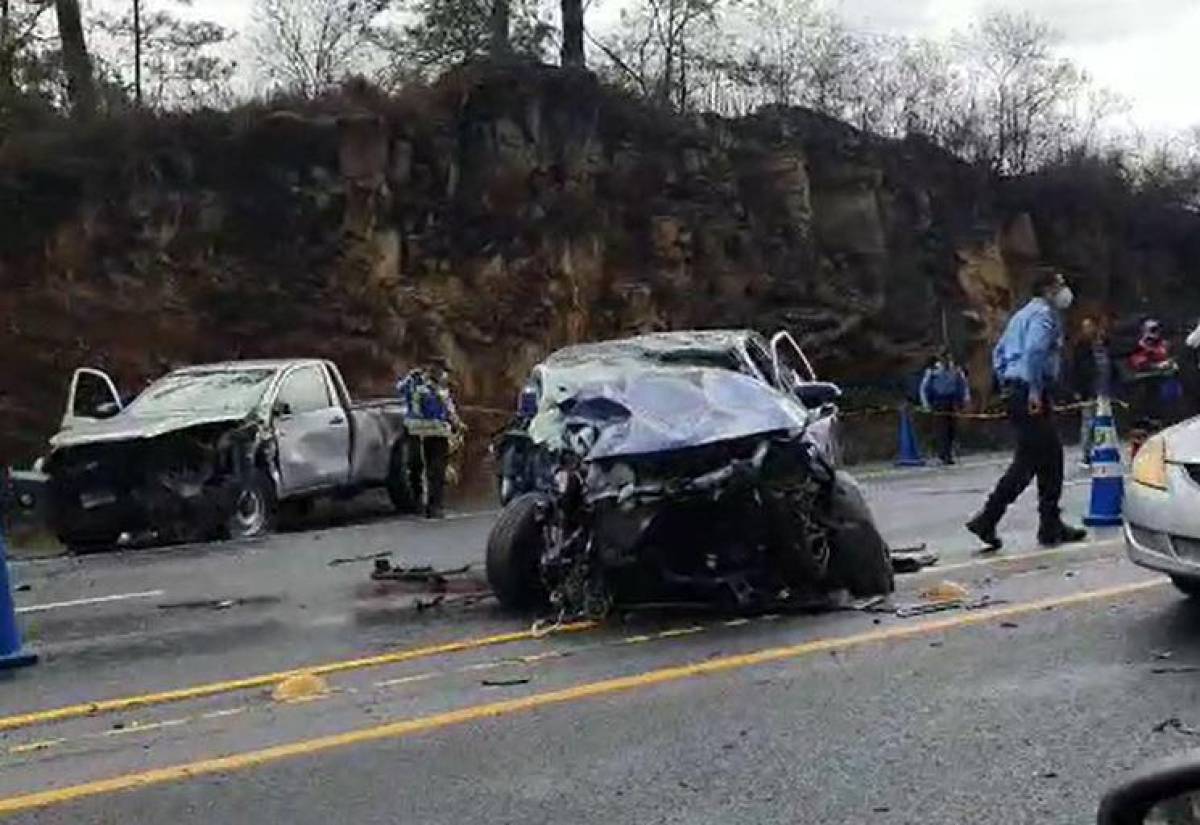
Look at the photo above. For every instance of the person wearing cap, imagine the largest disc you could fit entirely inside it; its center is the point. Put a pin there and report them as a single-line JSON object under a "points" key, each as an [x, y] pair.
{"points": [[431, 421], [1027, 363], [945, 392]]}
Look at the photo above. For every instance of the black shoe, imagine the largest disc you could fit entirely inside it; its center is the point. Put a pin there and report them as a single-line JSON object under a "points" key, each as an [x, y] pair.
{"points": [[1059, 533], [985, 532]]}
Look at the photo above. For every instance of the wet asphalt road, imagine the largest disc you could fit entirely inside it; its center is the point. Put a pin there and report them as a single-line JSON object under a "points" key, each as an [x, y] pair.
{"points": [[1022, 711]]}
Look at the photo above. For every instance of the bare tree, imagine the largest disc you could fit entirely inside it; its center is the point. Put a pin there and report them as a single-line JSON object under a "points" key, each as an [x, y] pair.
{"points": [[81, 83], [572, 33], [177, 62], [308, 45], [653, 49], [1021, 89], [439, 34], [499, 43]]}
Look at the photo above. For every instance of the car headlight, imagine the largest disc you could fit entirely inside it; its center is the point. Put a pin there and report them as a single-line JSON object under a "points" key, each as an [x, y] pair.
{"points": [[1150, 464]]}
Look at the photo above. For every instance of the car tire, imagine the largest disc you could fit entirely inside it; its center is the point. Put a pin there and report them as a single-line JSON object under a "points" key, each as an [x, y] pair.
{"points": [[255, 507], [399, 490], [861, 560], [514, 551], [1187, 585]]}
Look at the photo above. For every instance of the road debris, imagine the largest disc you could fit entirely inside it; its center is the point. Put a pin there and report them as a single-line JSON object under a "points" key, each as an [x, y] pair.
{"points": [[1162, 654], [945, 591], [509, 682], [1009, 625], [436, 580], [912, 559], [302, 687], [1174, 723], [383, 554], [1175, 669]]}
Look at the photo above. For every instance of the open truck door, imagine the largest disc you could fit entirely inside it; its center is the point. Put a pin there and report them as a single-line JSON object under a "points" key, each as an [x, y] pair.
{"points": [[794, 374], [92, 396]]}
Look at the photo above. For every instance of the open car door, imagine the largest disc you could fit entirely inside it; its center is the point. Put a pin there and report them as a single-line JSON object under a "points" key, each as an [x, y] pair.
{"points": [[92, 396], [794, 374]]}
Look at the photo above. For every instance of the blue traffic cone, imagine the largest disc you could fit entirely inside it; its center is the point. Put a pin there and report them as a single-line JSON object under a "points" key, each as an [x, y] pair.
{"points": [[910, 449], [11, 653], [1108, 489]]}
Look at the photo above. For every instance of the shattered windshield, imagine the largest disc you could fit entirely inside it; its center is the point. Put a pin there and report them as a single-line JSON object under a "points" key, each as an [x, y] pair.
{"points": [[227, 391]]}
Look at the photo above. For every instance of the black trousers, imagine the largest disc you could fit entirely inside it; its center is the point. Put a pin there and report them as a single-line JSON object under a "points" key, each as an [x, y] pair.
{"points": [[1039, 453], [427, 458], [945, 425]]}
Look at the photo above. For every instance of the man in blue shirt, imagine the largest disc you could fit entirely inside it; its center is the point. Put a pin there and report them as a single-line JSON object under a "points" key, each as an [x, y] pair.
{"points": [[944, 392], [1028, 363]]}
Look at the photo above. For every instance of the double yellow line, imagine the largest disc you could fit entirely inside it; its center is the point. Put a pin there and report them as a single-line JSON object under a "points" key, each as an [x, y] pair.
{"points": [[408, 727]]}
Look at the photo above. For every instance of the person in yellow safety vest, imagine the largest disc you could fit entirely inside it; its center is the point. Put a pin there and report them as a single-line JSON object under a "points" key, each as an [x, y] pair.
{"points": [[431, 420]]}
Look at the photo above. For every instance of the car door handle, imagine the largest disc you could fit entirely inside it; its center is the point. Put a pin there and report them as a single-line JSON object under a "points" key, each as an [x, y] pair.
{"points": [[336, 420]]}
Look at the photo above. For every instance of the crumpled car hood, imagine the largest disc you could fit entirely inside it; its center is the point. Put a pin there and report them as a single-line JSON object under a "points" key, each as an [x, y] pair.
{"points": [[127, 427], [605, 410]]}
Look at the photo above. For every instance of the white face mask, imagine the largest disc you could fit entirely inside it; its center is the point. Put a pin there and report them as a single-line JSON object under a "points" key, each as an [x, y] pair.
{"points": [[1063, 298]]}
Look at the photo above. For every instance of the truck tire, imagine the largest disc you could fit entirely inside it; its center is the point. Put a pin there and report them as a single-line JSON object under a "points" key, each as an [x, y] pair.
{"points": [[255, 507], [399, 489], [861, 561], [514, 552]]}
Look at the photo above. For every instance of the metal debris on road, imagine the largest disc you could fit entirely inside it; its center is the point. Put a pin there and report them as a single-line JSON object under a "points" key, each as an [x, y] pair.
{"points": [[1162, 654], [1174, 723], [1176, 669], [912, 559], [383, 554], [435, 579], [908, 611], [516, 680]]}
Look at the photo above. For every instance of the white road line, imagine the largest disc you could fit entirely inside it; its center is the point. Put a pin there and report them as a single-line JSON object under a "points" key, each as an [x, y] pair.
{"points": [[118, 597], [1001, 558]]}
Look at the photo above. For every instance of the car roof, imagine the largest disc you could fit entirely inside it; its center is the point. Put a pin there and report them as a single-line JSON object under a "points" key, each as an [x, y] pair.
{"points": [[273, 364], [715, 341]]}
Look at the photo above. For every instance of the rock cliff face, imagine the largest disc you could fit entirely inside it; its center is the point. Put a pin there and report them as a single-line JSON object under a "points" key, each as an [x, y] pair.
{"points": [[496, 216]]}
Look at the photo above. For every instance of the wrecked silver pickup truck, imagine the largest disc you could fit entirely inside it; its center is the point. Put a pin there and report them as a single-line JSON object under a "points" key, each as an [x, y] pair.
{"points": [[662, 470], [215, 450]]}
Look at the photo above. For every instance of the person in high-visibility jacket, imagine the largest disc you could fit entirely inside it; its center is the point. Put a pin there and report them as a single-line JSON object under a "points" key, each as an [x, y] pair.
{"points": [[431, 420]]}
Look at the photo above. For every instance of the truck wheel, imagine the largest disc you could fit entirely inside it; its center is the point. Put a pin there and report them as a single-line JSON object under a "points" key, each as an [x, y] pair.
{"points": [[861, 561], [399, 490], [254, 507], [514, 552]]}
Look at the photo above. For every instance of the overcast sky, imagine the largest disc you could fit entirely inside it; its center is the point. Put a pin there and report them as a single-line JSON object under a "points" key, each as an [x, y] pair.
{"points": [[1146, 50]]}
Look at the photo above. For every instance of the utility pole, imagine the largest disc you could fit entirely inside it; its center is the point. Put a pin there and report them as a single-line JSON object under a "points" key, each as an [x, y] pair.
{"points": [[137, 52]]}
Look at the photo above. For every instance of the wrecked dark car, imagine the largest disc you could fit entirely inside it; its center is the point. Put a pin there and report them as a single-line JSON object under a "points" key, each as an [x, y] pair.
{"points": [[214, 451], [779, 362], [662, 473]]}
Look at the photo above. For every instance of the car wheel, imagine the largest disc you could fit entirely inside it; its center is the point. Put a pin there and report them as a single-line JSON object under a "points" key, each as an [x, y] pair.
{"points": [[861, 560], [514, 552], [1187, 585], [254, 507], [398, 488]]}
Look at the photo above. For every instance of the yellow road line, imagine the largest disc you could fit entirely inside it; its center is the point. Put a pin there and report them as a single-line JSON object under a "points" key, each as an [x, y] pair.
{"points": [[475, 713], [40, 717]]}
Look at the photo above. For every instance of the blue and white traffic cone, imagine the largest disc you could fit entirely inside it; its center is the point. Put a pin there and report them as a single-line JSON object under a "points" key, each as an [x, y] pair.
{"points": [[1107, 485], [11, 653], [910, 449]]}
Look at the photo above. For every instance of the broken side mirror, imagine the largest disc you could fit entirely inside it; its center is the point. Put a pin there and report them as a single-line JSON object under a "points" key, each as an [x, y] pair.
{"points": [[1164, 793], [816, 394]]}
